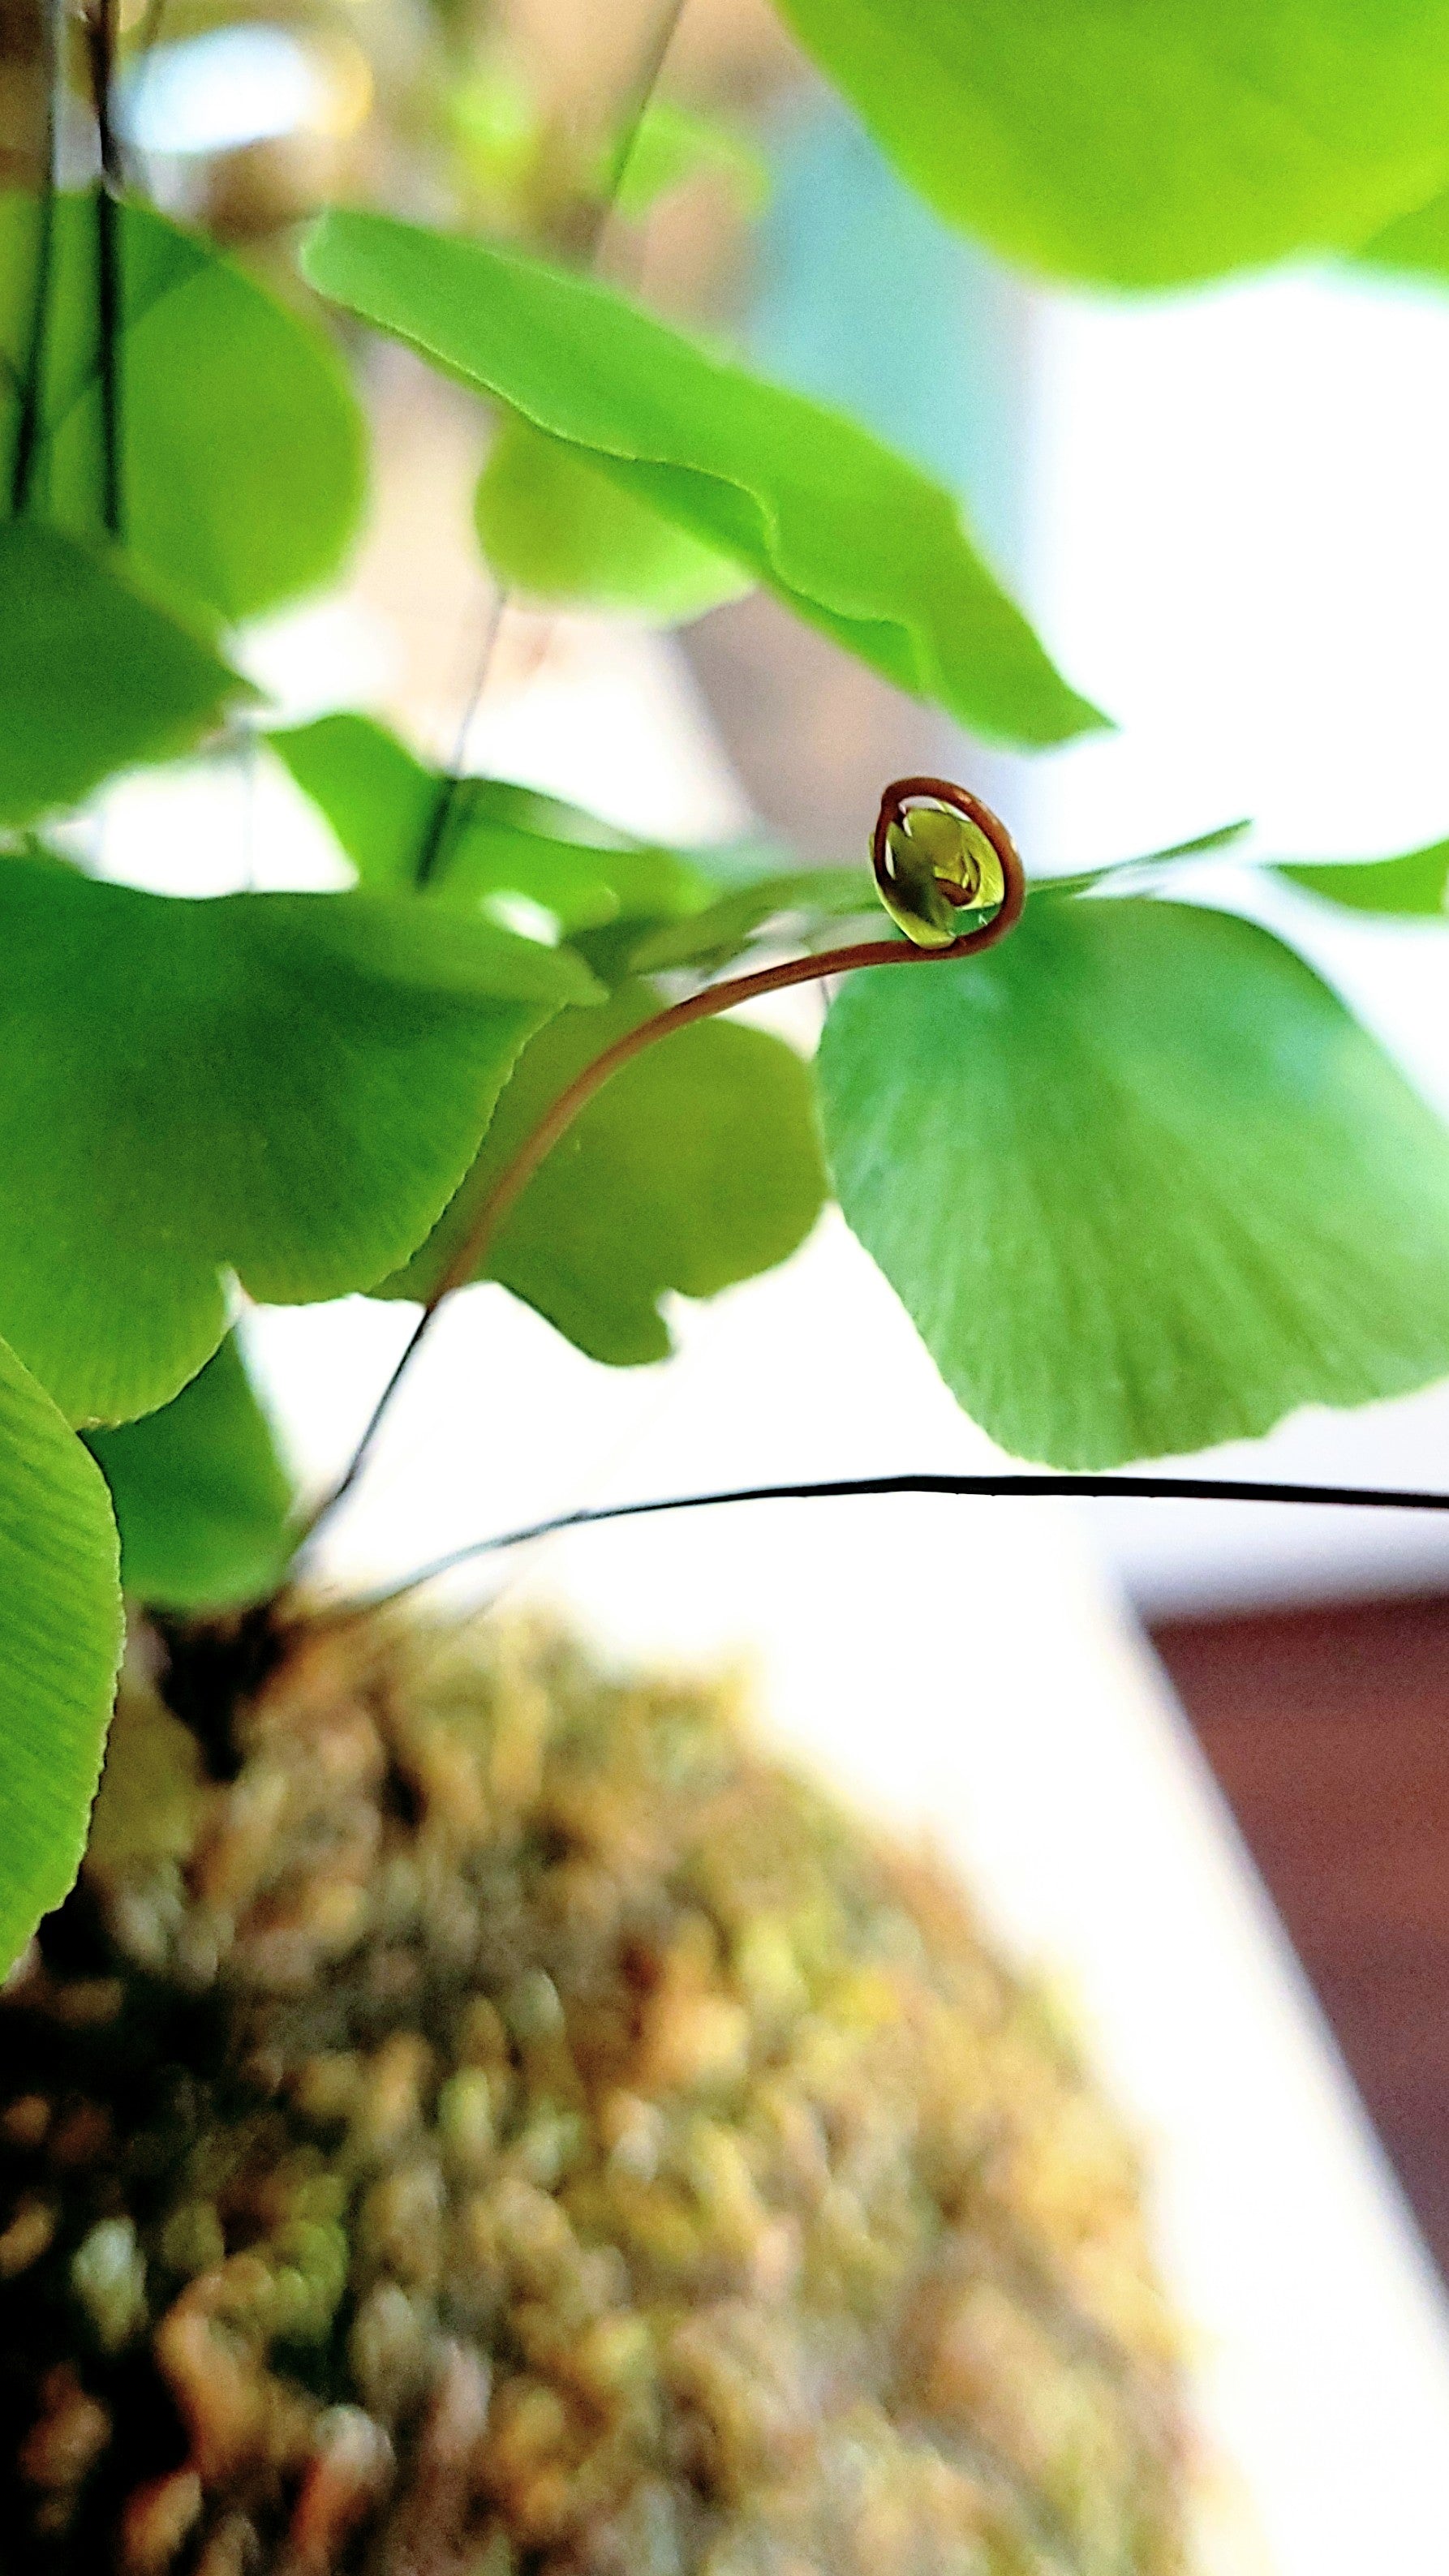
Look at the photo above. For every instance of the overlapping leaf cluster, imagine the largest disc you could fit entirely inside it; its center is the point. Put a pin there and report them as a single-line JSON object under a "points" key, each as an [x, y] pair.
{"points": [[1139, 1177]]}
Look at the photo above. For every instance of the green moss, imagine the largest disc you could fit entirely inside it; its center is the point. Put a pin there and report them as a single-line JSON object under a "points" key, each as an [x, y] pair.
{"points": [[517, 2128]]}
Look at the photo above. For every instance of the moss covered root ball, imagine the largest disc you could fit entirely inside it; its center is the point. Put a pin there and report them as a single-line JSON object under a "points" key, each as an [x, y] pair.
{"points": [[510, 2126]]}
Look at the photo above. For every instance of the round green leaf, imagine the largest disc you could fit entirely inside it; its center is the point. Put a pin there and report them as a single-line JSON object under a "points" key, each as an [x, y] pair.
{"points": [[60, 1645], [149, 686], [379, 798], [384, 805], [284, 1087], [1146, 141], [850, 536], [1416, 882], [696, 1165], [243, 454], [552, 527], [1417, 245], [201, 1496], [1141, 1181]]}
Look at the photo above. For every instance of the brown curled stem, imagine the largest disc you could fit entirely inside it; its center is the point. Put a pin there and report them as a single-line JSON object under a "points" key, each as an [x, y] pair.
{"points": [[473, 1247], [513, 1180], [707, 1004]]}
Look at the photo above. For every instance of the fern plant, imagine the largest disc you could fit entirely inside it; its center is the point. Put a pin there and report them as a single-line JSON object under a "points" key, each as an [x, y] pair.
{"points": [[473, 2117], [1139, 1177]]}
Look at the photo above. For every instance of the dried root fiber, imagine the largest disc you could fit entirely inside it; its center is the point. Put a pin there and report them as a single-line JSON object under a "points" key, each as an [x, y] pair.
{"points": [[511, 2127]]}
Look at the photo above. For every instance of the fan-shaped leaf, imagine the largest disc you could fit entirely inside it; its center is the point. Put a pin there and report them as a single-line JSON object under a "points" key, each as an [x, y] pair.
{"points": [[201, 1496], [1417, 244], [94, 677], [805, 904], [243, 449], [852, 537], [1418, 882], [557, 530], [378, 797], [60, 1644], [1141, 1181], [472, 841], [1143, 141], [696, 1165], [288, 1087]]}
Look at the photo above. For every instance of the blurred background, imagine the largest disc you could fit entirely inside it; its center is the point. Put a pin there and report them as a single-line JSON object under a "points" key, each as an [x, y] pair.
{"points": [[1229, 514]]}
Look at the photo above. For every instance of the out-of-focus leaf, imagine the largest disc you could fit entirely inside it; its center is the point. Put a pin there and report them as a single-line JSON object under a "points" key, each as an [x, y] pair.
{"points": [[94, 677], [850, 536], [1141, 1180], [243, 449], [60, 1644], [375, 793], [378, 797], [1112, 871], [500, 130], [1144, 144], [696, 1165], [389, 812], [673, 145], [555, 529], [201, 1496], [1417, 883], [523, 169], [1417, 244], [284, 1087], [803, 904]]}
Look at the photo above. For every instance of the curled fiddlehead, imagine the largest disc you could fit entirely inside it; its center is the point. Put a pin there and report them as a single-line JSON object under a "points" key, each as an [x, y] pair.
{"points": [[939, 852]]}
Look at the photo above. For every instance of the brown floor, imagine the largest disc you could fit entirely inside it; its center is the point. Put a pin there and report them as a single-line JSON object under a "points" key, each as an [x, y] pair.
{"points": [[1329, 1732]]}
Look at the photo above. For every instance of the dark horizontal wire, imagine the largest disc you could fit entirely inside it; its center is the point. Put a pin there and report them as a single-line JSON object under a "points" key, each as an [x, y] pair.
{"points": [[1185, 1489]]}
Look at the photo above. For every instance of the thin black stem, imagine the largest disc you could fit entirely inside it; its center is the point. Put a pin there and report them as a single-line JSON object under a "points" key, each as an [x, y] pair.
{"points": [[101, 48], [433, 851], [450, 786], [434, 841], [32, 390], [108, 317], [626, 133], [336, 1494], [1009, 1483]]}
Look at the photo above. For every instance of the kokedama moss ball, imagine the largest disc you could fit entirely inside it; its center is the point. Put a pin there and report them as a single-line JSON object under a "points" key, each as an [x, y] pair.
{"points": [[509, 2126]]}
